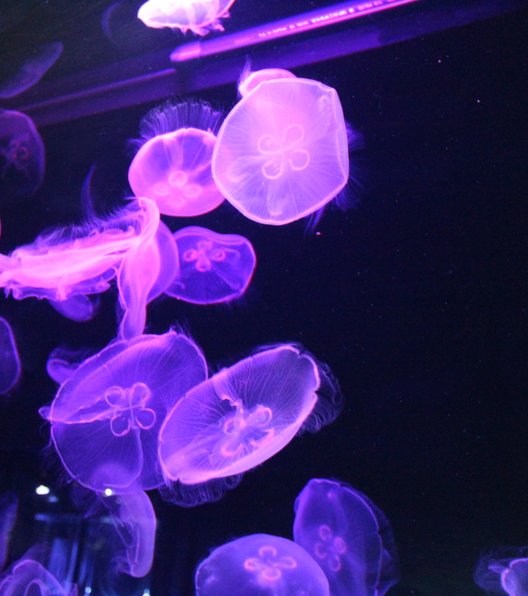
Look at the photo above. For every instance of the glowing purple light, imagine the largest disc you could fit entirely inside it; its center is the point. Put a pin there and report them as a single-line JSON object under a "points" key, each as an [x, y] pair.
{"points": [[214, 267], [243, 415], [282, 151], [173, 166], [307, 21], [9, 359], [30, 577], [114, 403], [504, 571], [249, 80], [348, 536], [197, 16], [260, 564]]}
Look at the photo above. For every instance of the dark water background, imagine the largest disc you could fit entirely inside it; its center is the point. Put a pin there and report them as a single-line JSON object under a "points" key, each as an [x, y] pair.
{"points": [[416, 297]]}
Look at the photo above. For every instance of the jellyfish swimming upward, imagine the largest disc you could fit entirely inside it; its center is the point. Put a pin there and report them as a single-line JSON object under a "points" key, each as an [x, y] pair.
{"points": [[173, 164], [243, 415], [22, 154], [282, 151], [198, 16], [260, 564]]}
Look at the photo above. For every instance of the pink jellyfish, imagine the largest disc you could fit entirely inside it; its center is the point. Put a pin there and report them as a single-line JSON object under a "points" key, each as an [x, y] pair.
{"points": [[282, 152], [249, 80], [173, 165], [197, 16], [244, 414]]}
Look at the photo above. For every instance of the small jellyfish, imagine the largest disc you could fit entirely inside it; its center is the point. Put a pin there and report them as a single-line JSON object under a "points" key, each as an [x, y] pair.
{"points": [[198, 16], [348, 536], [79, 308], [173, 165], [62, 363], [504, 571], [9, 359], [32, 70], [77, 260], [243, 415], [22, 154], [113, 406], [214, 267], [260, 564], [28, 577], [282, 152], [135, 522], [249, 80]]}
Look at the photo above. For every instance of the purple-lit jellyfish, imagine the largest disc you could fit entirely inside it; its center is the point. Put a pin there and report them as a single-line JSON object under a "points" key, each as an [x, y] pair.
{"points": [[113, 406], [79, 308], [173, 166], [504, 571], [214, 267], [77, 260], [249, 80], [28, 577], [198, 16], [135, 522], [9, 358], [260, 564], [243, 415], [32, 70], [348, 536], [22, 155], [8, 514], [282, 152]]}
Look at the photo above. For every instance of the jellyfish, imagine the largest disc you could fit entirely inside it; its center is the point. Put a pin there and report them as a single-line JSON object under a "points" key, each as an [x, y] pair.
{"points": [[134, 520], [79, 308], [77, 260], [282, 152], [8, 514], [504, 571], [260, 564], [214, 267], [9, 359], [348, 536], [63, 362], [28, 577], [249, 80], [22, 154], [198, 16], [32, 70], [113, 405], [173, 165], [243, 415]]}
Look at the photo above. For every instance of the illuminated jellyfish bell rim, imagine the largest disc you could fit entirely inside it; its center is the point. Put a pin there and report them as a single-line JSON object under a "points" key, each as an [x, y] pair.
{"points": [[198, 16], [282, 152]]}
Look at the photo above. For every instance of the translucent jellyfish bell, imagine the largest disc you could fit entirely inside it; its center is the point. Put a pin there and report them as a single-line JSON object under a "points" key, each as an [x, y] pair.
{"points": [[348, 536], [282, 151], [173, 166], [9, 359], [504, 571], [242, 416], [22, 154], [249, 80], [198, 16], [260, 564], [113, 405], [28, 577], [214, 267]]}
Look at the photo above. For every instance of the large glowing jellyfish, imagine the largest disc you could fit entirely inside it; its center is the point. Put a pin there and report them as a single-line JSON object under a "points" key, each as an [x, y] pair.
{"points": [[9, 359], [244, 414], [282, 152], [77, 260], [348, 536], [32, 70], [198, 16], [22, 154], [173, 165], [504, 571], [260, 564], [214, 267], [113, 406]]}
